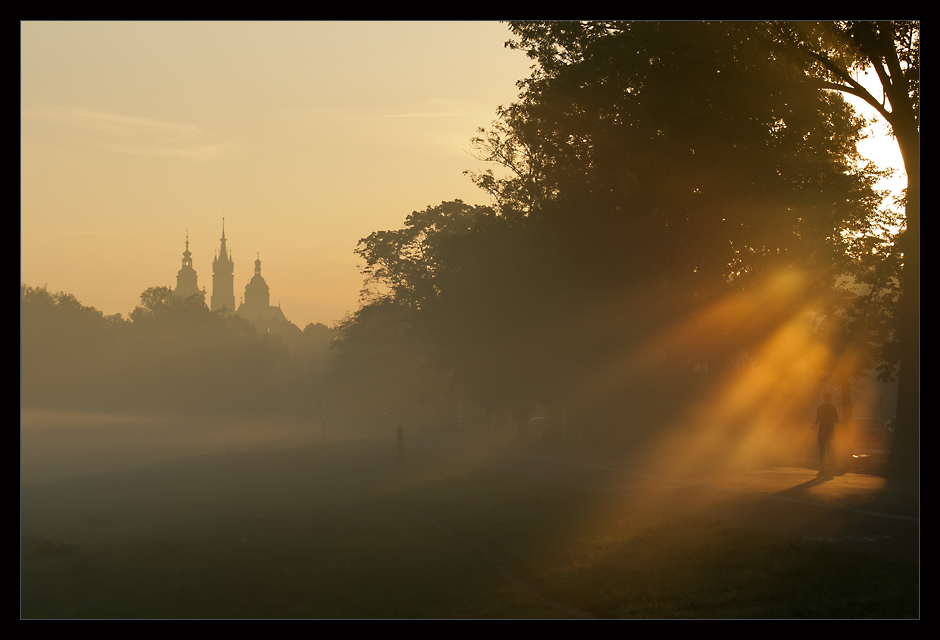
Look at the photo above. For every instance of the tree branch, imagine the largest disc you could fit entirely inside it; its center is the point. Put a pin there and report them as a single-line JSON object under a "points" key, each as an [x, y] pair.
{"points": [[863, 94]]}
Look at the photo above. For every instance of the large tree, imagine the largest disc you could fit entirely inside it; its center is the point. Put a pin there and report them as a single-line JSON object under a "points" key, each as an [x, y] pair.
{"points": [[686, 147], [465, 283], [831, 54], [675, 163], [650, 170]]}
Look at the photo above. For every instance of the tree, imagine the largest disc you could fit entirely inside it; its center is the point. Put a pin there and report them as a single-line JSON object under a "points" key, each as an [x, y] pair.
{"points": [[161, 304], [66, 348], [652, 169], [679, 162], [464, 282], [185, 356], [403, 264], [859, 323], [686, 145], [830, 54]]}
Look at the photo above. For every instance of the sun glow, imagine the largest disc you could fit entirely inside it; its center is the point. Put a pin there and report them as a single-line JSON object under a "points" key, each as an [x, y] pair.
{"points": [[756, 411]]}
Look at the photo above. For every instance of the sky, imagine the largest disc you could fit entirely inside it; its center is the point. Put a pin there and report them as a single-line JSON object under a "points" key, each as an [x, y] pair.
{"points": [[304, 136]]}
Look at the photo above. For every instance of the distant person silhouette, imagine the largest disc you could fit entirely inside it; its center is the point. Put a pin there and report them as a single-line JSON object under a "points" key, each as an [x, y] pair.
{"points": [[826, 419]]}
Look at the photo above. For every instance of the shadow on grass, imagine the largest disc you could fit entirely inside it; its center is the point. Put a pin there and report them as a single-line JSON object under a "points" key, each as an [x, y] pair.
{"points": [[335, 532]]}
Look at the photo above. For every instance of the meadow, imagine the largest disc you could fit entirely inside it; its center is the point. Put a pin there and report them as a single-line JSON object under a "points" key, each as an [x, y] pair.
{"points": [[341, 529]]}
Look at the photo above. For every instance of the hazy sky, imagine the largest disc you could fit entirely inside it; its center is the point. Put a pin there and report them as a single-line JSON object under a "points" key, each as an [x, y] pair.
{"points": [[306, 137]]}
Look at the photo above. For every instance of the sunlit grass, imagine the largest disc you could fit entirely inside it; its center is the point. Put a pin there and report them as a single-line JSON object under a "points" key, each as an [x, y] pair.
{"points": [[598, 554]]}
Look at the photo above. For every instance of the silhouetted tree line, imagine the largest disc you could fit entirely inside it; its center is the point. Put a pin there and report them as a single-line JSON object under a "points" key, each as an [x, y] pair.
{"points": [[170, 355], [646, 172]]}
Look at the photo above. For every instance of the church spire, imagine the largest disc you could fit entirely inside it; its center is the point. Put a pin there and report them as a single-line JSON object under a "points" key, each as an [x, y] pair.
{"points": [[223, 267], [223, 253], [186, 277]]}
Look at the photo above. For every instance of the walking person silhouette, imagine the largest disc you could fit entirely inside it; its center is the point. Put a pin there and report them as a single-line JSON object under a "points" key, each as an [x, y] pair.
{"points": [[826, 419]]}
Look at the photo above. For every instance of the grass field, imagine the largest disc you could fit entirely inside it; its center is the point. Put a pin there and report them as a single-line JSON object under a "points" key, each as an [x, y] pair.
{"points": [[339, 530]]}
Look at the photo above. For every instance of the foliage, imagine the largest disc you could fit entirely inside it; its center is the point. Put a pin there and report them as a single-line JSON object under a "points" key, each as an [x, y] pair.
{"points": [[160, 304], [37, 304], [172, 355], [403, 264], [648, 171], [64, 345], [685, 151], [445, 298], [830, 54]]}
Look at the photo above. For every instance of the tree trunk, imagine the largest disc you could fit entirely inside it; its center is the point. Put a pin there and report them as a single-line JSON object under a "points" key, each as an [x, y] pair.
{"points": [[905, 453]]}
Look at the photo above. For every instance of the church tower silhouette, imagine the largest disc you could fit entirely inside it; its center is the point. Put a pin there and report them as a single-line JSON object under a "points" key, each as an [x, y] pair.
{"points": [[257, 305], [257, 293], [186, 276], [223, 278]]}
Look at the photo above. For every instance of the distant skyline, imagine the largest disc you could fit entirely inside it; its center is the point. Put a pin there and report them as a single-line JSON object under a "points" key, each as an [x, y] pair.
{"points": [[305, 136]]}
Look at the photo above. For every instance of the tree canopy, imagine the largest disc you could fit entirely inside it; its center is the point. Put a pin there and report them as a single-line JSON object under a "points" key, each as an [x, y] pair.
{"points": [[688, 145], [647, 170], [172, 355], [830, 55]]}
